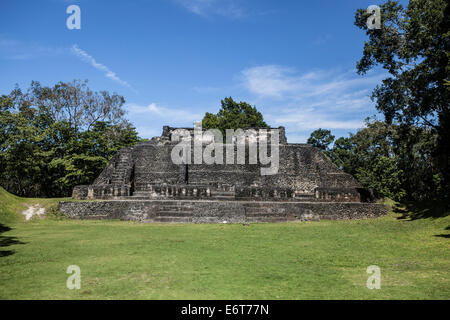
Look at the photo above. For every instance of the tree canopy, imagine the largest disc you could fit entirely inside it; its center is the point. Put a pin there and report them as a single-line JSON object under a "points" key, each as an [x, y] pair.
{"points": [[394, 161], [321, 138], [53, 138], [413, 46], [234, 115]]}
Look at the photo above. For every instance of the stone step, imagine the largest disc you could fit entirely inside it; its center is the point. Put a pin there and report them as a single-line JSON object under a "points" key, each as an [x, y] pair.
{"points": [[161, 213], [175, 208], [267, 219], [173, 219], [260, 210], [223, 198], [222, 193], [255, 204], [265, 214], [145, 194], [304, 196]]}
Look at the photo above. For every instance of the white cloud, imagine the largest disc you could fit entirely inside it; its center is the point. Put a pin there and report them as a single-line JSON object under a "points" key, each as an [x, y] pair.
{"points": [[310, 100], [89, 59], [147, 132], [310, 120], [5, 42], [169, 115], [150, 119], [284, 82], [322, 39], [205, 8], [12, 49], [276, 81]]}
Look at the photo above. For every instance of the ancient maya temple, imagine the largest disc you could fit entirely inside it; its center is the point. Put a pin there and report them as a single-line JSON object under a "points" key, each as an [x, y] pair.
{"points": [[143, 183]]}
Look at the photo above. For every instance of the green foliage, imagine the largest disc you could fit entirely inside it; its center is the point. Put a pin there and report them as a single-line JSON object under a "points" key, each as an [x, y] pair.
{"points": [[321, 138], [53, 213], [52, 139], [234, 115], [413, 46], [390, 159], [342, 154], [383, 177]]}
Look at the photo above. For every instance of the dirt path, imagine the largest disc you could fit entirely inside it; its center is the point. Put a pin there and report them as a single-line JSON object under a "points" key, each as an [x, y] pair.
{"points": [[32, 211]]}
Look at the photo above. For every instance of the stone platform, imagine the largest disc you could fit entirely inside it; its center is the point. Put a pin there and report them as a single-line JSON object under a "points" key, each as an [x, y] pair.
{"points": [[144, 183], [216, 211]]}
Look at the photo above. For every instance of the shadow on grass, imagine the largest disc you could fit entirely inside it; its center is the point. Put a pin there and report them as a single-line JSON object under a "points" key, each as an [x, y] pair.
{"points": [[6, 241], [421, 210], [444, 235]]}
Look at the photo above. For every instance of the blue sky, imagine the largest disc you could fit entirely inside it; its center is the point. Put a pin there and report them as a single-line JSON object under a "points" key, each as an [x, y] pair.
{"points": [[174, 60]]}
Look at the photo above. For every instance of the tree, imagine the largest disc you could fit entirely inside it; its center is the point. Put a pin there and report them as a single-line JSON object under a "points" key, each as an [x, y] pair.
{"points": [[394, 161], [342, 154], [413, 46], [321, 138], [234, 115], [52, 138], [374, 161]]}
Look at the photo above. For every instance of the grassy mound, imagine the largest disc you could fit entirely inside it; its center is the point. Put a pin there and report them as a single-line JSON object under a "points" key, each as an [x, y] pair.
{"points": [[11, 206]]}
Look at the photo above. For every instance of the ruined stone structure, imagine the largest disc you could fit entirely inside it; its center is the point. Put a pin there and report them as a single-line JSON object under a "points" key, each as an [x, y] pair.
{"points": [[143, 183]]}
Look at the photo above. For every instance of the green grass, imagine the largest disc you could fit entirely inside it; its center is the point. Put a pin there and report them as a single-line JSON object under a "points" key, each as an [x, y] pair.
{"points": [[11, 206], [309, 260]]}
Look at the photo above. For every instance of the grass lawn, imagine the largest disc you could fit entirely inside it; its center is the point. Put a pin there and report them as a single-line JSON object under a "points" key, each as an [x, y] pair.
{"points": [[308, 260]]}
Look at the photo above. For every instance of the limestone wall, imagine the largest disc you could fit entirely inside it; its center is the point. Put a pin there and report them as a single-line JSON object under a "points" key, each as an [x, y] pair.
{"points": [[218, 211]]}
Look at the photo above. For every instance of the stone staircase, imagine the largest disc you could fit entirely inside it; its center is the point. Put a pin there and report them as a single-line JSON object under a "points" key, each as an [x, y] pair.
{"points": [[120, 175], [222, 195], [140, 195], [183, 212], [305, 197], [264, 212], [173, 212]]}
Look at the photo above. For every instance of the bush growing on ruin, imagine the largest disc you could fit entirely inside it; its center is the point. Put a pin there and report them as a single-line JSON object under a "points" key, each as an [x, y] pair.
{"points": [[234, 115]]}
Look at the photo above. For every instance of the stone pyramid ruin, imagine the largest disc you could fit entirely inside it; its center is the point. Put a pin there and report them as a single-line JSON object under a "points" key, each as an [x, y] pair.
{"points": [[143, 183]]}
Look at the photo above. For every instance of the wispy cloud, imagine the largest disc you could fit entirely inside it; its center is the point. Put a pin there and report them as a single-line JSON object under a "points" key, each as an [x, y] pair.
{"points": [[89, 59], [205, 8], [150, 118], [171, 115], [322, 39], [12, 49], [275, 81], [305, 101]]}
